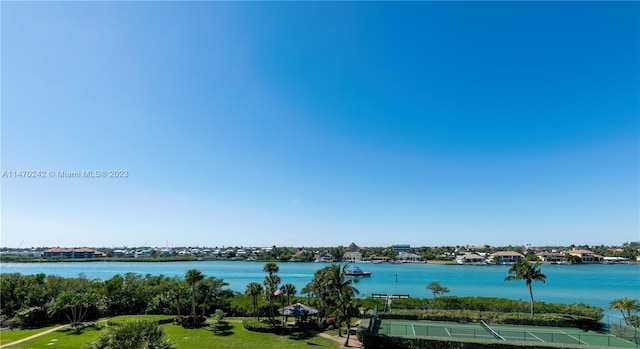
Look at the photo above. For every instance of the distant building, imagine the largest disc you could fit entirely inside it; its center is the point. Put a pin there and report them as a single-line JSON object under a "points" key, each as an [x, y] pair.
{"points": [[506, 257], [72, 253], [586, 256], [352, 257], [552, 257], [401, 248], [123, 253], [143, 254], [469, 258], [406, 257]]}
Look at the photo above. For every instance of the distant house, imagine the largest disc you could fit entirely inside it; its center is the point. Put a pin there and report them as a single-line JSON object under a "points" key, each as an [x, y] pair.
{"points": [[352, 257], [587, 256], [123, 253], [72, 253], [470, 258], [552, 257], [406, 257], [378, 259], [506, 257], [327, 258], [143, 254]]}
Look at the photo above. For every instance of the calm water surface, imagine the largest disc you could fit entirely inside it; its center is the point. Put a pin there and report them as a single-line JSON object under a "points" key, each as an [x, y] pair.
{"points": [[591, 284]]}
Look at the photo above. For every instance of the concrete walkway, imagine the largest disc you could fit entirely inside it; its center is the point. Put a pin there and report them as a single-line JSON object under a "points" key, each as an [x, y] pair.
{"points": [[353, 340], [33, 336]]}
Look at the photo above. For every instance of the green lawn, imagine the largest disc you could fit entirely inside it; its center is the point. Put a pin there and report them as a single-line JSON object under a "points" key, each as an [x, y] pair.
{"points": [[8, 336], [66, 338], [229, 335]]}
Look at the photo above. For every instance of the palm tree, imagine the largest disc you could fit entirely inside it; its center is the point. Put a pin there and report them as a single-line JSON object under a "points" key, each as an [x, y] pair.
{"points": [[133, 335], [192, 277], [346, 309], [253, 290], [289, 290], [271, 282], [523, 270], [627, 305]]}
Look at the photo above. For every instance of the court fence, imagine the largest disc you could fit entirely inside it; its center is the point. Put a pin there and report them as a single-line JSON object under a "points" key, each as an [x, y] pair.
{"points": [[619, 328], [480, 333]]}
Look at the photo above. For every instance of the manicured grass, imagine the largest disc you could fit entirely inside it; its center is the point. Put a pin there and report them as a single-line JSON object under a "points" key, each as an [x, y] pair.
{"points": [[64, 339], [228, 335], [231, 335], [8, 336]]}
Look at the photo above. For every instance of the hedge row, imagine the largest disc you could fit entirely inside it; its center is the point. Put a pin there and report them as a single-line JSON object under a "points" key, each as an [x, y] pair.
{"points": [[556, 320], [490, 304]]}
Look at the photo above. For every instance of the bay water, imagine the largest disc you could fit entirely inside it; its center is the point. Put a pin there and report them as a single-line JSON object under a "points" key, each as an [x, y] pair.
{"points": [[594, 284]]}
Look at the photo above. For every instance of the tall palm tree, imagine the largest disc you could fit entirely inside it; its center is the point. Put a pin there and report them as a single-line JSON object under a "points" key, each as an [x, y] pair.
{"points": [[271, 282], [253, 290], [346, 309], [192, 277], [289, 290], [626, 306], [523, 270], [335, 287]]}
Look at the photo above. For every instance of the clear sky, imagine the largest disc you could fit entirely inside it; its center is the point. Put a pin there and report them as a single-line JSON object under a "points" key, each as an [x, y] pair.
{"points": [[320, 123]]}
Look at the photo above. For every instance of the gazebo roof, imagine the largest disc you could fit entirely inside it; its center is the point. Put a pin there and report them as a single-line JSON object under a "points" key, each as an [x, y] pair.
{"points": [[298, 309]]}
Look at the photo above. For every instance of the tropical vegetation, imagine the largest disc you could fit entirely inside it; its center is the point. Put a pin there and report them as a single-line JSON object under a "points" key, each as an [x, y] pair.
{"points": [[133, 335], [628, 307], [436, 288], [525, 270]]}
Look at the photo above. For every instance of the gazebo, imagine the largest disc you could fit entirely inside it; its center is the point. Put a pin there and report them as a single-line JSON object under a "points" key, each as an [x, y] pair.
{"points": [[298, 310]]}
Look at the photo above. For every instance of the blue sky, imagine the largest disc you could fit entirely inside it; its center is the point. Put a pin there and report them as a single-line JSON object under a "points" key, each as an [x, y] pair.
{"points": [[321, 123]]}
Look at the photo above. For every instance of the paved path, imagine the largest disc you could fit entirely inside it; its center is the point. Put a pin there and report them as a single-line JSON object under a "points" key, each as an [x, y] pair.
{"points": [[353, 340], [33, 336]]}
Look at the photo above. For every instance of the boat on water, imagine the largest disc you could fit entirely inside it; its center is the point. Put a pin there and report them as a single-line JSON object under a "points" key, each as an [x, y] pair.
{"points": [[355, 271]]}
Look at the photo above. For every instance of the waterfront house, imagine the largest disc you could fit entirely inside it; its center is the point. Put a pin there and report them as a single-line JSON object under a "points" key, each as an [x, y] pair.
{"points": [[470, 258], [83, 252], [123, 253], [586, 256], [506, 257], [352, 257], [143, 254], [552, 257], [327, 258], [406, 257]]}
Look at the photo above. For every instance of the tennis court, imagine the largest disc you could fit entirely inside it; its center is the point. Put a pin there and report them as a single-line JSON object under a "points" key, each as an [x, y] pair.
{"points": [[537, 334]]}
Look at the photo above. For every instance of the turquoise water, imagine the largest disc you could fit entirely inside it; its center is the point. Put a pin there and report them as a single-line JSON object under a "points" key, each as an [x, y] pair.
{"points": [[591, 284]]}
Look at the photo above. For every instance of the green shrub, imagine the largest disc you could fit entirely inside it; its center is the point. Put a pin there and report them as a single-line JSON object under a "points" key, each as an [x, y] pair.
{"points": [[252, 324]]}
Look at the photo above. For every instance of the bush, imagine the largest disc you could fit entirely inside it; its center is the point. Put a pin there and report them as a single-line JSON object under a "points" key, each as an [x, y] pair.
{"points": [[131, 335], [189, 321], [32, 316], [256, 325]]}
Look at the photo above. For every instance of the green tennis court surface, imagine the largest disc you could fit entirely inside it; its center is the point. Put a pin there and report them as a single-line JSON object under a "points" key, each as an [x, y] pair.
{"points": [[538, 334]]}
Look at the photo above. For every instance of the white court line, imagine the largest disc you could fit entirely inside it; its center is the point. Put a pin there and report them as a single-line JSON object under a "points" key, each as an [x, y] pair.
{"points": [[449, 333], [570, 336], [534, 336], [414, 330]]}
